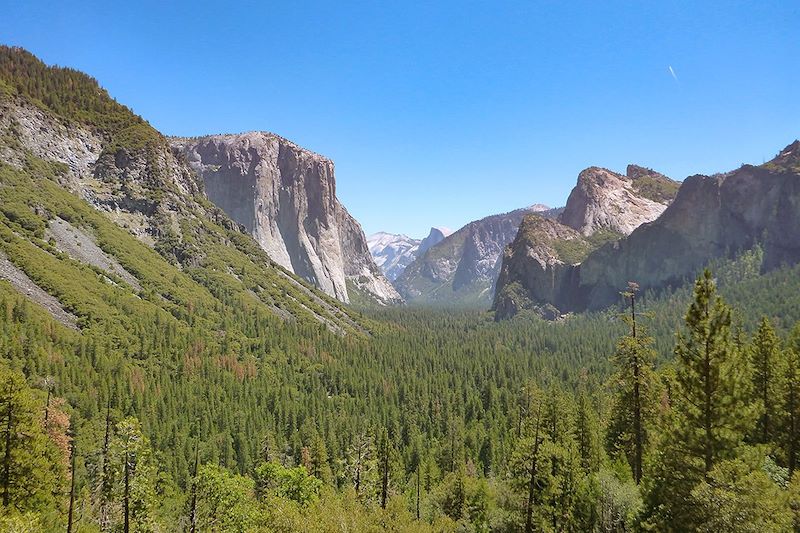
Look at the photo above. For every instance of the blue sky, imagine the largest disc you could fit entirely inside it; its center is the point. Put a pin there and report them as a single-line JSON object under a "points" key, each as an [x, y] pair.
{"points": [[438, 113]]}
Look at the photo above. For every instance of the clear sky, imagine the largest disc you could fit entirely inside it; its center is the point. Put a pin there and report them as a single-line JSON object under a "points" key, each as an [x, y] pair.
{"points": [[438, 113]]}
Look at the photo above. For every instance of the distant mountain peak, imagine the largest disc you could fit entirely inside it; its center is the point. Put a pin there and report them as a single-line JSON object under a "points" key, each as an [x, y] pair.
{"points": [[393, 252]]}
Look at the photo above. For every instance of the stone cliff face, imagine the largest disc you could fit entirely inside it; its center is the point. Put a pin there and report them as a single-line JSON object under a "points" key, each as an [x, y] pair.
{"points": [[603, 199], [540, 266], [463, 267], [285, 196], [711, 217]]}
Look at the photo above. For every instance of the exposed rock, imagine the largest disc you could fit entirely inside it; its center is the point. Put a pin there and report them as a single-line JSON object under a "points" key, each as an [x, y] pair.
{"points": [[120, 165], [711, 217], [28, 288], [531, 273], [285, 197], [603, 199], [435, 236], [463, 267], [394, 252], [82, 247]]}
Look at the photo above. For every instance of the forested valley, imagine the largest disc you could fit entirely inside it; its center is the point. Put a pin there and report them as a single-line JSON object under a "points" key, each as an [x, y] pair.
{"points": [[437, 421]]}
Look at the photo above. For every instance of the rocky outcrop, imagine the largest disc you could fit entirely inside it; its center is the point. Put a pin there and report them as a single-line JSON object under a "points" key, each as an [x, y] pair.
{"points": [[711, 217], [603, 199], [536, 256], [285, 197], [462, 268], [96, 148]]}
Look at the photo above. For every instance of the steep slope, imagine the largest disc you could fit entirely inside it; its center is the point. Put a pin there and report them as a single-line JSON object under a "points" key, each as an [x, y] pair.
{"points": [[76, 162], [393, 252], [285, 197], [711, 217], [462, 268]]}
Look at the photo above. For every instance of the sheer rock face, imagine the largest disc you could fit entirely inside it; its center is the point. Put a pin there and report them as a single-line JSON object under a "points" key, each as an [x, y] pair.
{"points": [[435, 236], [603, 199], [711, 217], [285, 196]]}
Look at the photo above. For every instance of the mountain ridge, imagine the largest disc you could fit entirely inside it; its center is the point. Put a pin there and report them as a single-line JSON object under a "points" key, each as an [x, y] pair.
{"points": [[711, 217]]}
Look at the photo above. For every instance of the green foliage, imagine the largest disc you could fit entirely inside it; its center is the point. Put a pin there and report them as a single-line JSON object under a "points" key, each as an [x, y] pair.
{"points": [[636, 397], [73, 96], [295, 484], [133, 476], [710, 403], [31, 467], [657, 189], [768, 371], [225, 501], [739, 496]]}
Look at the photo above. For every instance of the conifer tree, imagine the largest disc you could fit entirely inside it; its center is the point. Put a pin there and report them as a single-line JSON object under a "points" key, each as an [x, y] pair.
{"points": [[766, 364], [30, 469], [635, 388], [790, 419], [709, 415], [711, 403], [586, 434], [134, 475]]}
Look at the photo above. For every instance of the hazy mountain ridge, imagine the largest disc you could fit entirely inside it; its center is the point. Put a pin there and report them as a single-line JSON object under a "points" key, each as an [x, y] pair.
{"points": [[393, 252], [603, 206], [462, 268]]}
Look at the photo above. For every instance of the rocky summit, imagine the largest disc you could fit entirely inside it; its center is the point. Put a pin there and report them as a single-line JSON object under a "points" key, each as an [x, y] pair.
{"points": [[285, 196], [603, 199]]}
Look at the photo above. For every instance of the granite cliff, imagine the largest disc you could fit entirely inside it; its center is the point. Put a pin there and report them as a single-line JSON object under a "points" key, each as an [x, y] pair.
{"points": [[285, 197], [108, 192]]}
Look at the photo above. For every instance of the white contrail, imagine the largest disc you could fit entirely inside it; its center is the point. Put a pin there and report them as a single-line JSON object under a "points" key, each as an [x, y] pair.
{"points": [[672, 73]]}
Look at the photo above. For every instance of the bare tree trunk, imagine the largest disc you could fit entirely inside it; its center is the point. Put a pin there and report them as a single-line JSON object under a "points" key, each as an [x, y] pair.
{"points": [[105, 488], [71, 490], [193, 512], [532, 481], [7, 459], [126, 503], [385, 481], [47, 409], [418, 469]]}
